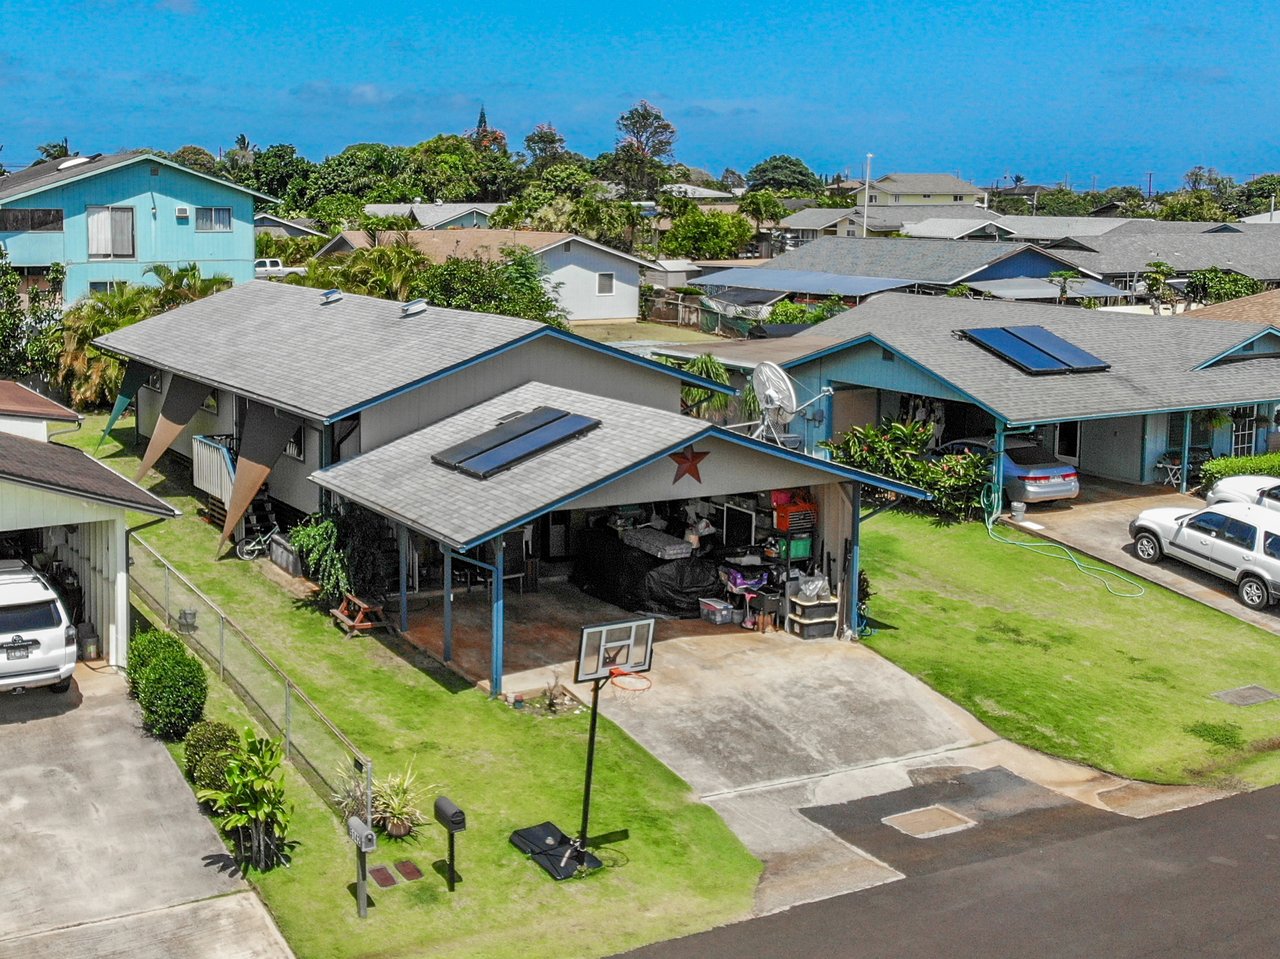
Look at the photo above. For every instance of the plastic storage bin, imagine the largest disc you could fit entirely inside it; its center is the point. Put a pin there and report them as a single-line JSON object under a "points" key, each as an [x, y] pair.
{"points": [[715, 611]]}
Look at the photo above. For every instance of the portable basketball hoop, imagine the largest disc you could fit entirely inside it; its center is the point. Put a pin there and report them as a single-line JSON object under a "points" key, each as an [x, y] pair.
{"points": [[618, 654]]}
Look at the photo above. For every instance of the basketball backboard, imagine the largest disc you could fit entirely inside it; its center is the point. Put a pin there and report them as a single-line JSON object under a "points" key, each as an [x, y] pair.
{"points": [[626, 645]]}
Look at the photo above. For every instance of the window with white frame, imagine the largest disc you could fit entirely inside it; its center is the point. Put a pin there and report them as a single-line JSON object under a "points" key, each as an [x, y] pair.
{"points": [[874, 198], [30, 221], [103, 286], [111, 233], [210, 404], [926, 196], [957, 198], [604, 284], [297, 445], [213, 219], [897, 198]]}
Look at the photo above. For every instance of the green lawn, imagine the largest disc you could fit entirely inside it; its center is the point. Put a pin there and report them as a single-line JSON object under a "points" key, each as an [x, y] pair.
{"points": [[1048, 658], [680, 870], [628, 332]]}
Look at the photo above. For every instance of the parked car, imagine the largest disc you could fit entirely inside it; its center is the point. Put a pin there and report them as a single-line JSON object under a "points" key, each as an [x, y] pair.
{"points": [[37, 640], [272, 267], [1031, 473], [1237, 542], [1260, 490]]}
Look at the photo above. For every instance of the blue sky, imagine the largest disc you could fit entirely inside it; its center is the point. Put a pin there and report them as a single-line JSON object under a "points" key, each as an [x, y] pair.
{"points": [[1050, 90]]}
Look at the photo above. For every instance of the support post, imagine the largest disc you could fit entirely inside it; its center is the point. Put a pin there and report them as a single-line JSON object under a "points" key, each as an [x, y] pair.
{"points": [[453, 876], [448, 604], [496, 653], [997, 471], [1186, 451], [222, 646], [288, 716], [581, 843], [326, 459], [402, 541], [855, 562], [362, 887]]}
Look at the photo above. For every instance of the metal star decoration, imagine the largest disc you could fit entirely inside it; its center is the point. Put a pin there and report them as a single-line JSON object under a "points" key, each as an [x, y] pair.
{"points": [[687, 461]]}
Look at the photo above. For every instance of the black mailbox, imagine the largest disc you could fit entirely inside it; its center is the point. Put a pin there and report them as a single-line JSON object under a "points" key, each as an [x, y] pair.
{"points": [[449, 815]]}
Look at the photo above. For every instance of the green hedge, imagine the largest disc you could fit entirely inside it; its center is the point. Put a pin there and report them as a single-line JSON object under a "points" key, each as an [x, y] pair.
{"points": [[1265, 464], [206, 738], [172, 693], [144, 649]]}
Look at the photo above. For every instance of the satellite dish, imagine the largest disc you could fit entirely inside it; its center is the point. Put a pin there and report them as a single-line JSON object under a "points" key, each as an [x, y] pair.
{"points": [[774, 391], [778, 404]]}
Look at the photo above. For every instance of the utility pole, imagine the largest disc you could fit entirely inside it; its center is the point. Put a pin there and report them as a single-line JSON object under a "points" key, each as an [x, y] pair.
{"points": [[1149, 176], [866, 195]]}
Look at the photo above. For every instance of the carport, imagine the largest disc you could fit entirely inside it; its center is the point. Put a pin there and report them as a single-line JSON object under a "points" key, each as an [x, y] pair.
{"points": [[65, 513], [623, 454]]}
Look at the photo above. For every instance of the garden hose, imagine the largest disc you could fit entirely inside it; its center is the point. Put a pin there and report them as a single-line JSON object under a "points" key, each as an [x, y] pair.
{"points": [[991, 499]]}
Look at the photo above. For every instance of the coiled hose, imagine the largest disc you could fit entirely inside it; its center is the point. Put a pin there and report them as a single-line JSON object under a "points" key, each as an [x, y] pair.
{"points": [[991, 499]]}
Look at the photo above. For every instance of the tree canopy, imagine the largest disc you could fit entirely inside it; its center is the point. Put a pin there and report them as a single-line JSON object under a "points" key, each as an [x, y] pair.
{"points": [[782, 173]]}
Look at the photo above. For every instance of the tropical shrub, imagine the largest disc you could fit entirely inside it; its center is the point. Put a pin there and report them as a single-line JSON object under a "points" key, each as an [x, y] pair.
{"points": [[316, 541], [144, 649], [343, 551], [1264, 464], [211, 770], [785, 311], [251, 807], [899, 451], [205, 738], [172, 693], [397, 804]]}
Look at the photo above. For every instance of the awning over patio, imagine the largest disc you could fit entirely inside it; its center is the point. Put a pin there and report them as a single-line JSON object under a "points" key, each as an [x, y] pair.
{"points": [[610, 453]]}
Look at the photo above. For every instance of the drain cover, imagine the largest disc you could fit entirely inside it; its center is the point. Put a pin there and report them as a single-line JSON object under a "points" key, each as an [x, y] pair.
{"points": [[1246, 696], [928, 822]]}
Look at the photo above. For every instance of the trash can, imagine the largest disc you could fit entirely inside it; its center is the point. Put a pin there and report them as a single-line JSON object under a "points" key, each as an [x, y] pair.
{"points": [[88, 642]]}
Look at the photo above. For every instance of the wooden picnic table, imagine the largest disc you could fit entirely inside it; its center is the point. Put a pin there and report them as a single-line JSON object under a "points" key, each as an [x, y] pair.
{"points": [[357, 616]]}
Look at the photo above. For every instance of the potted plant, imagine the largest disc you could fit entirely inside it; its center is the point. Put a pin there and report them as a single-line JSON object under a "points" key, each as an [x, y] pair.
{"points": [[395, 805]]}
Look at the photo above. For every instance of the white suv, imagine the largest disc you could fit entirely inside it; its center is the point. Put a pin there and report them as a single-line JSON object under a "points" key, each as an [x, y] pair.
{"points": [[37, 640], [1238, 542]]}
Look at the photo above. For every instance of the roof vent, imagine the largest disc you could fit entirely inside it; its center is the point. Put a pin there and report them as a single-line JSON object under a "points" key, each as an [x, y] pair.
{"points": [[73, 161], [413, 308], [331, 296]]}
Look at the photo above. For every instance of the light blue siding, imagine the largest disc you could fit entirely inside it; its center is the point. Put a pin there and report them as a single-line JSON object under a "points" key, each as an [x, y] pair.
{"points": [[160, 236]]}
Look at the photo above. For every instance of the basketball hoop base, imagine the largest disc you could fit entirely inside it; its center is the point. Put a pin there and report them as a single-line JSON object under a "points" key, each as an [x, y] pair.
{"points": [[548, 846]]}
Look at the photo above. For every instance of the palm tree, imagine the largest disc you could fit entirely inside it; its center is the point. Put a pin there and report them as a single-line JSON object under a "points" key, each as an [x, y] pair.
{"points": [[56, 150], [93, 376], [184, 284]]}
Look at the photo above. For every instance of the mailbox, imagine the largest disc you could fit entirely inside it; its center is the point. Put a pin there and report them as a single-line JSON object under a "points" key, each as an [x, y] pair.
{"points": [[361, 835], [449, 815]]}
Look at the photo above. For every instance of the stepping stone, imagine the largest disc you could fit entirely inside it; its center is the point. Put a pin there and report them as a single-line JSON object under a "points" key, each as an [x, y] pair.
{"points": [[382, 876], [1246, 696], [408, 870], [928, 822]]}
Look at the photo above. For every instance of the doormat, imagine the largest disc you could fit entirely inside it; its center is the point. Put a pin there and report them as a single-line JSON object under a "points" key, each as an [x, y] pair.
{"points": [[1246, 696], [409, 870], [382, 876]]}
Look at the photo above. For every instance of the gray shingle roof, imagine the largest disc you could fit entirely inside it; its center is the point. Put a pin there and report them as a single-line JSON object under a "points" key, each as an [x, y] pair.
{"points": [[429, 214], [816, 217], [923, 261], [935, 183], [281, 344], [400, 480], [62, 469], [1152, 361], [1255, 254]]}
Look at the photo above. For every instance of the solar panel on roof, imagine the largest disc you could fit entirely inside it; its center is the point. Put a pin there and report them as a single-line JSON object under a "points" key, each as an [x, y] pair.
{"points": [[502, 433], [514, 441], [1080, 361], [1012, 349]]}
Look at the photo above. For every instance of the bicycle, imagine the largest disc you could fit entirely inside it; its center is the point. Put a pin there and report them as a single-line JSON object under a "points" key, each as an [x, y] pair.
{"points": [[251, 547]]}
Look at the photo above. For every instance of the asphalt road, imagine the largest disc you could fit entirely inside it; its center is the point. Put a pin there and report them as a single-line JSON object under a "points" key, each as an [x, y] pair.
{"points": [[1201, 882]]}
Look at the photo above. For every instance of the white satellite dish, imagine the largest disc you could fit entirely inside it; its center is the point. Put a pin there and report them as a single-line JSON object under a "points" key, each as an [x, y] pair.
{"points": [[778, 404]]}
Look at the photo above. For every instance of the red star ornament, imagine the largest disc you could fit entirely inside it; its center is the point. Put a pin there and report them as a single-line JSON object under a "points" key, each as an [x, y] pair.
{"points": [[687, 461]]}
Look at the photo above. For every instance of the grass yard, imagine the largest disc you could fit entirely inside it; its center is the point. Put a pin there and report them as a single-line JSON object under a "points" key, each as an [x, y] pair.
{"points": [[629, 332], [1048, 658], [680, 870]]}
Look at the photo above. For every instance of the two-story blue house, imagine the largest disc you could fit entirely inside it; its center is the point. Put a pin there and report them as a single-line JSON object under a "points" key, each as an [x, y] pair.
{"points": [[109, 218]]}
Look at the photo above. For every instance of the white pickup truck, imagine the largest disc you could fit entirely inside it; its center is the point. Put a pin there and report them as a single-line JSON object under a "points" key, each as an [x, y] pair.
{"points": [[273, 267]]}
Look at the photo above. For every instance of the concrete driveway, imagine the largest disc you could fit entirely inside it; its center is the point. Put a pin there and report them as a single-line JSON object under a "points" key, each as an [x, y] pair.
{"points": [[763, 727], [1097, 524], [106, 851]]}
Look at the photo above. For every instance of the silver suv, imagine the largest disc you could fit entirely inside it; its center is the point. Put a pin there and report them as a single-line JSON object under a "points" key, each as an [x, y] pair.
{"points": [[37, 640], [1238, 542]]}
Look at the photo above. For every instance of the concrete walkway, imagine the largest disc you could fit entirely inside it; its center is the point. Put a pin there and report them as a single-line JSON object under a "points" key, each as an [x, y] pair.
{"points": [[1097, 524], [762, 726], [106, 851]]}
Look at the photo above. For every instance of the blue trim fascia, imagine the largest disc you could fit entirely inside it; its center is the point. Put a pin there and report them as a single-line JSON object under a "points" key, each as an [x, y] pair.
{"points": [[432, 377], [1235, 349], [690, 378]]}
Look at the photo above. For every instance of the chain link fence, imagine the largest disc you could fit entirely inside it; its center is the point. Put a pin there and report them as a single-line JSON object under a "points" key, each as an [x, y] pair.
{"points": [[315, 746]]}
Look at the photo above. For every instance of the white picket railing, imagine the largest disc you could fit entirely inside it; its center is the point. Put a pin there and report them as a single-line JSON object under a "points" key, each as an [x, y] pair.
{"points": [[212, 469]]}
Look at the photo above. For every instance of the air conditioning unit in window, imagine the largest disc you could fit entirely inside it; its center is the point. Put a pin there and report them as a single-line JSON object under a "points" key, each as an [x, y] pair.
{"points": [[182, 212]]}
